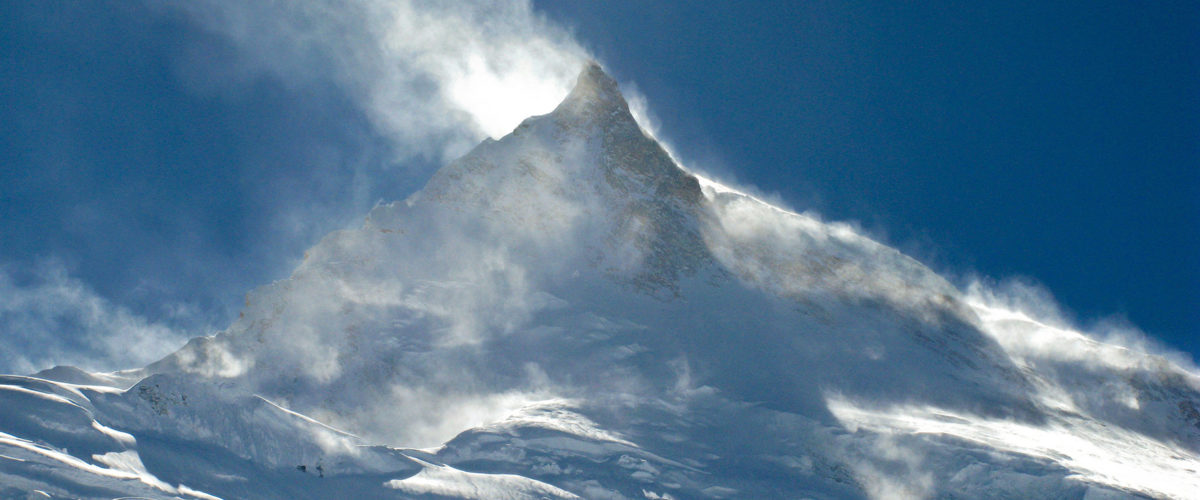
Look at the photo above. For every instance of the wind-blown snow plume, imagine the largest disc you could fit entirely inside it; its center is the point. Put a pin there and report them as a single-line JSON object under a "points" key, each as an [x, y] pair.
{"points": [[435, 77], [49, 318]]}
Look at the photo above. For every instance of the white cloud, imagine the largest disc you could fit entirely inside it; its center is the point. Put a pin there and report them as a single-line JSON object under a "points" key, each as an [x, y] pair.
{"points": [[49, 318]]}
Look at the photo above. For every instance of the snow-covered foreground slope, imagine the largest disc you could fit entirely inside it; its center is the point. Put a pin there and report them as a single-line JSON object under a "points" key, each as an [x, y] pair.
{"points": [[567, 313]]}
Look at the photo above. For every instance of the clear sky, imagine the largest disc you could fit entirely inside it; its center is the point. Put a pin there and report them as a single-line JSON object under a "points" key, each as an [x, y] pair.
{"points": [[159, 162]]}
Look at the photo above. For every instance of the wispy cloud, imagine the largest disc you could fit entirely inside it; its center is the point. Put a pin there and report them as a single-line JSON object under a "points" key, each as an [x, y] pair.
{"points": [[49, 318], [434, 77], [1029, 322]]}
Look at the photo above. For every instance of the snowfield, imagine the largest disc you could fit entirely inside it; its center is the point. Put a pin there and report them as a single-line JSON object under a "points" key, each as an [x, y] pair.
{"points": [[567, 313]]}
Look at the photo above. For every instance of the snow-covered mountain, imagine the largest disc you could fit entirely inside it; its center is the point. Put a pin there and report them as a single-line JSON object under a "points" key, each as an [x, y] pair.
{"points": [[568, 313]]}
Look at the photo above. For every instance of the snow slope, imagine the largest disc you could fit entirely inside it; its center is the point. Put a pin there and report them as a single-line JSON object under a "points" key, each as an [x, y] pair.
{"points": [[564, 313]]}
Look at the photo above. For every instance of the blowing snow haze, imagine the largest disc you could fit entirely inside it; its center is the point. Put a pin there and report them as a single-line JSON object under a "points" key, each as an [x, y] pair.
{"points": [[565, 312]]}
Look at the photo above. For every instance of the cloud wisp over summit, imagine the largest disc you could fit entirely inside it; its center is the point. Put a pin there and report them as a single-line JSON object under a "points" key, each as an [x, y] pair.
{"points": [[433, 77]]}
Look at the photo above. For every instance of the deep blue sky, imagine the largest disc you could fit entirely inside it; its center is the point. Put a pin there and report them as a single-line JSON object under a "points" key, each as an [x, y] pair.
{"points": [[1059, 142]]}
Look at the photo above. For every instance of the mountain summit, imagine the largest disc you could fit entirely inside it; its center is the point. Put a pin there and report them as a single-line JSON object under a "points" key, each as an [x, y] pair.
{"points": [[565, 312], [595, 92]]}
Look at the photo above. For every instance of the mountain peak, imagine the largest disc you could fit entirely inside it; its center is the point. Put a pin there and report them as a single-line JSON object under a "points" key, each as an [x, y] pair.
{"points": [[593, 77], [594, 91]]}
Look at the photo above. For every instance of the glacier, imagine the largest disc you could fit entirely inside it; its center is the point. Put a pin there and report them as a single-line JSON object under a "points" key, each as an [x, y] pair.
{"points": [[566, 312]]}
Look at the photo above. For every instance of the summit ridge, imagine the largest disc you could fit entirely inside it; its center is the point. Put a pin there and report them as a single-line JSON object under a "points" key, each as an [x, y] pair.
{"points": [[594, 91]]}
